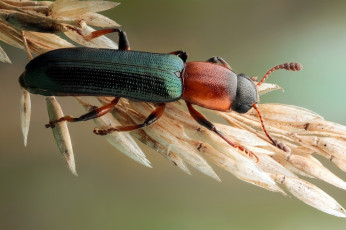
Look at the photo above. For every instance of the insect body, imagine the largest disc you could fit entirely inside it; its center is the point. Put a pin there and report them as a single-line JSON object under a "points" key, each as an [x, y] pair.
{"points": [[147, 77]]}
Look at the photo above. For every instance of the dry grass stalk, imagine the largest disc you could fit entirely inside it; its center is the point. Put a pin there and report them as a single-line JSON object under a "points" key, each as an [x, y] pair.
{"points": [[61, 133], [176, 135], [40, 20]]}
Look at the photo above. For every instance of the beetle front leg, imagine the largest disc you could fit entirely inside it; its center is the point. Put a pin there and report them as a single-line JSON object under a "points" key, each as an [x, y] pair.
{"points": [[221, 60], [153, 117], [123, 41], [98, 112], [202, 120]]}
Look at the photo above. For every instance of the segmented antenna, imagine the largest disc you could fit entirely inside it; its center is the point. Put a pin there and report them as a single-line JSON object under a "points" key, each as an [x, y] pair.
{"points": [[275, 142], [294, 66]]}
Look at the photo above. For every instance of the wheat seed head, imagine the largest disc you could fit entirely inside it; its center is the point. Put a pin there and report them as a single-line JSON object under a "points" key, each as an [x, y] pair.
{"points": [[177, 137]]}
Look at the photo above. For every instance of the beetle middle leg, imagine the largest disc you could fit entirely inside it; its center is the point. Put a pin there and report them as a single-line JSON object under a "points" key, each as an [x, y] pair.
{"points": [[180, 53], [221, 60], [202, 120], [98, 112], [153, 117], [123, 41]]}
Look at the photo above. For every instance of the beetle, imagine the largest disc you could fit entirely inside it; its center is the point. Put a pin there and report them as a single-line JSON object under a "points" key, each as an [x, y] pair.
{"points": [[146, 77]]}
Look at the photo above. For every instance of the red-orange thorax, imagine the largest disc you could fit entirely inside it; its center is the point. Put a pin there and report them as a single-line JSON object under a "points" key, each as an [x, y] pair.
{"points": [[209, 85]]}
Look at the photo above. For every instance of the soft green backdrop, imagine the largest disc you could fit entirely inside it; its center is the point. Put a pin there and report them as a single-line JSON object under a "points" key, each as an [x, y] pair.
{"points": [[112, 192]]}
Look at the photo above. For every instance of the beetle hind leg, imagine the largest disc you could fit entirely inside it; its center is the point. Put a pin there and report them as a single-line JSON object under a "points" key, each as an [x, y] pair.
{"points": [[98, 112], [202, 120], [123, 41], [153, 117]]}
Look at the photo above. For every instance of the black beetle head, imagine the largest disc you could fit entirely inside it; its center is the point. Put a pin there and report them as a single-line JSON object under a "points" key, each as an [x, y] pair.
{"points": [[246, 94]]}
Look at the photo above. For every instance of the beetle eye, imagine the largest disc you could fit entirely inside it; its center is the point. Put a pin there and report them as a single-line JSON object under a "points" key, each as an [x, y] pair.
{"points": [[242, 108]]}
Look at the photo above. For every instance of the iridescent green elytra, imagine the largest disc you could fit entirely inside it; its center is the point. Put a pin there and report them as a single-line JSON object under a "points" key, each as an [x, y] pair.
{"points": [[141, 76]]}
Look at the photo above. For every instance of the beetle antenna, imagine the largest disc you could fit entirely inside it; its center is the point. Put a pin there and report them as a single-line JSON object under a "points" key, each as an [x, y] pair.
{"points": [[294, 66], [275, 142]]}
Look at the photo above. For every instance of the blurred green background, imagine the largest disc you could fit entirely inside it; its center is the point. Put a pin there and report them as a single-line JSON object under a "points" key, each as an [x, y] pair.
{"points": [[113, 192]]}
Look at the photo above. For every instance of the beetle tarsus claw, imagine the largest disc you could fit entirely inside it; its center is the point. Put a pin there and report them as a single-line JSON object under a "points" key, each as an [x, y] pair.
{"points": [[283, 147], [247, 152], [100, 132], [50, 125]]}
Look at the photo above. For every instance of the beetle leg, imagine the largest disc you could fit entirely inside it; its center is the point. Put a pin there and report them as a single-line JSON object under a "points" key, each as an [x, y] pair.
{"points": [[212, 60], [280, 145], [221, 60], [153, 117], [123, 41], [202, 120], [182, 54], [98, 112]]}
